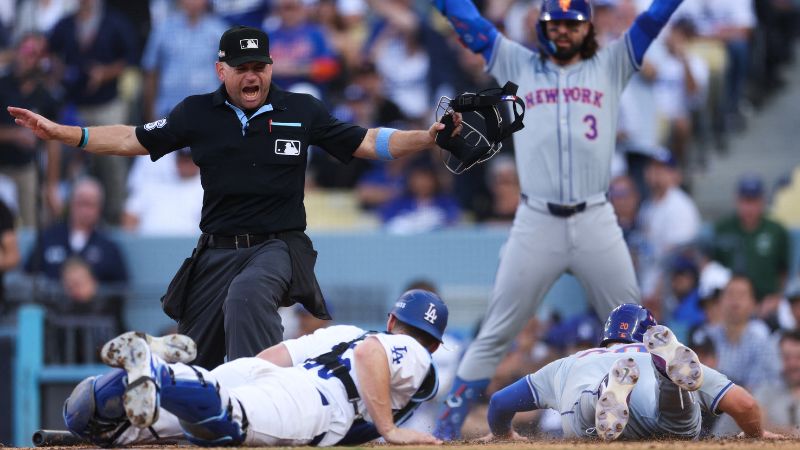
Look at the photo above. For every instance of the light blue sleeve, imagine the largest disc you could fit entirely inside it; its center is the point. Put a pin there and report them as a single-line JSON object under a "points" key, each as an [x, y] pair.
{"points": [[715, 386]]}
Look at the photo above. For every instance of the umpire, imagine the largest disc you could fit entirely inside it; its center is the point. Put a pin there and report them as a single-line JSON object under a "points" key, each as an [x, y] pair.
{"points": [[250, 140]]}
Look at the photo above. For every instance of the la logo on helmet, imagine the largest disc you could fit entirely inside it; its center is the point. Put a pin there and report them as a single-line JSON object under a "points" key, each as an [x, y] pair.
{"points": [[430, 315]]}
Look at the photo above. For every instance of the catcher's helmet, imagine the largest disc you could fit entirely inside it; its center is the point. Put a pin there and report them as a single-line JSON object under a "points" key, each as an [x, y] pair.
{"points": [[627, 324], [580, 10], [423, 310], [483, 125]]}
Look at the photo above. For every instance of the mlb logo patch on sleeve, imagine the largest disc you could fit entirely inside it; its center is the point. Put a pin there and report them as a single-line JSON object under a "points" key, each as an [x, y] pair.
{"points": [[287, 147]]}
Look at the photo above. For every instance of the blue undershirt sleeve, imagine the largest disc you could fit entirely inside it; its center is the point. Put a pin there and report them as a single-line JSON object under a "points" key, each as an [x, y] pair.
{"points": [[507, 402], [475, 32], [646, 27]]}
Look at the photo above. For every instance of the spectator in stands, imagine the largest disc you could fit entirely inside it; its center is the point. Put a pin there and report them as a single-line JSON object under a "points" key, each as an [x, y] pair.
{"points": [[788, 317], [504, 187], [300, 48], [750, 243], [9, 250], [743, 342], [95, 45], [40, 16], [669, 219], [424, 206], [28, 83], [784, 205], [81, 236], [344, 32], [782, 400], [413, 59], [168, 208], [682, 302], [86, 318], [680, 86], [177, 58], [249, 13], [625, 199]]}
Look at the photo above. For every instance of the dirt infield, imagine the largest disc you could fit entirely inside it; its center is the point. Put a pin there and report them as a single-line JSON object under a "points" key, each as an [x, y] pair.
{"points": [[735, 444]]}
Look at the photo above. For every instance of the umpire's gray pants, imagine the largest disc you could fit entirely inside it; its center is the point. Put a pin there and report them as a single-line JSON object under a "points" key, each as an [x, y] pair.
{"points": [[540, 248], [232, 306]]}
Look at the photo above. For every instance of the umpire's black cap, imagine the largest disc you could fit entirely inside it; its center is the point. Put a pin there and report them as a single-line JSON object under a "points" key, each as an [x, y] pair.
{"points": [[240, 44]]}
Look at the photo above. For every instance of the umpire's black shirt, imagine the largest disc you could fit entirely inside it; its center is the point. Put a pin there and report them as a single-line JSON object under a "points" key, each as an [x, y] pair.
{"points": [[252, 169]]}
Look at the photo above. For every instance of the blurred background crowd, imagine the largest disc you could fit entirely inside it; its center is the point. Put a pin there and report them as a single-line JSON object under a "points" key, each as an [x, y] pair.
{"points": [[722, 282]]}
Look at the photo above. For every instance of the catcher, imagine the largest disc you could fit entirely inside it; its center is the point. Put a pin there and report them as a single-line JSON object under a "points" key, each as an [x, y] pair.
{"points": [[641, 383], [338, 386]]}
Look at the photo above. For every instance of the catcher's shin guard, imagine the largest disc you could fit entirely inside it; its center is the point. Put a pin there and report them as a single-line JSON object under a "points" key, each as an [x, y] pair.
{"points": [[206, 418], [456, 407], [94, 409]]}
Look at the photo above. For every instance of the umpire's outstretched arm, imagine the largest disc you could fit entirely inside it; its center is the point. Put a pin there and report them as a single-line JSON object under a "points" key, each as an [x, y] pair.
{"points": [[105, 140]]}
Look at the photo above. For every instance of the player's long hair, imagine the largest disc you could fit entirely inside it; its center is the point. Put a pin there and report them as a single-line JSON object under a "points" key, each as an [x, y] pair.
{"points": [[590, 45]]}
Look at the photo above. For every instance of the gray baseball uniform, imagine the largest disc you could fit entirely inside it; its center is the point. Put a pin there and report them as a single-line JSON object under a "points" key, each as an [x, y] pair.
{"points": [[570, 386], [563, 158]]}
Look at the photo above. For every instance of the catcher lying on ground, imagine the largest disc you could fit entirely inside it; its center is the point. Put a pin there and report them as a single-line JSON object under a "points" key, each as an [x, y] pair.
{"points": [[640, 384], [288, 395]]}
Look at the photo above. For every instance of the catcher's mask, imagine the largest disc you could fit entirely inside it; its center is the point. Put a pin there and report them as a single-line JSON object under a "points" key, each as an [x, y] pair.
{"points": [[483, 126]]}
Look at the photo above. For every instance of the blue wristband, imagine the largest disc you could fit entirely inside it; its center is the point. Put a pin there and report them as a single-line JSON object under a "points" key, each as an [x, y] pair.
{"points": [[84, 137], [382, 143]]}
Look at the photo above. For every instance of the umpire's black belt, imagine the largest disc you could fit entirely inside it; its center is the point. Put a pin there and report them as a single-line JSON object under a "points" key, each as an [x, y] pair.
{"points": [[239, 240]]}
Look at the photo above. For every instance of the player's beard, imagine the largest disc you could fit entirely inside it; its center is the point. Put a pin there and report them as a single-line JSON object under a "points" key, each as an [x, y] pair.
{"points": [[566, 54]]}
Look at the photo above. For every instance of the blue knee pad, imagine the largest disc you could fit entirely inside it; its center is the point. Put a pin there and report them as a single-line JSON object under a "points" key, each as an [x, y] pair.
{"points": [[451, 417], [197, 404], [94, 409]]}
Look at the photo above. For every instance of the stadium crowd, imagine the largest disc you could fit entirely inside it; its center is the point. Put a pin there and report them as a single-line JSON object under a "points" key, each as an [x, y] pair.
{"points": [[726, 288]]}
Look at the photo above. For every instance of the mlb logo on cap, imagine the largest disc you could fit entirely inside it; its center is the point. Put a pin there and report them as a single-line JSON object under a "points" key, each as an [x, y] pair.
{"points": [[248, 43]]}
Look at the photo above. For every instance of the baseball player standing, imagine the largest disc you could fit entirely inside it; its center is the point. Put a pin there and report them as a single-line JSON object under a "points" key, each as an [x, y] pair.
{"points": [[564, 222], [340, 385]]}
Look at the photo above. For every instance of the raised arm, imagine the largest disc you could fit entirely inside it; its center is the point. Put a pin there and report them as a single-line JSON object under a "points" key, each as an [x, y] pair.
{"points": [[505, 403], [646, 27], [105, 140], [744, 409], [475, 32], [374, 386], [388, 143]]}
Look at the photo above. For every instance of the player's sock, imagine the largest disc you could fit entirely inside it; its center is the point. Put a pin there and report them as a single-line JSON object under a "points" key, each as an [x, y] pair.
{"points": [[207, 415], [94, 410], [456, 407]]}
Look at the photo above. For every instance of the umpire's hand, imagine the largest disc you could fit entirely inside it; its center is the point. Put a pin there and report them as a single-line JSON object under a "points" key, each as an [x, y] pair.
{"points": [[43, 128], [439, 126]]}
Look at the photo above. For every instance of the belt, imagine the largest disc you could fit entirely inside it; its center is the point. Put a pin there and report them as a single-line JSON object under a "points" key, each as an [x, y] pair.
{"points": [[238, 241], [564, 211]]}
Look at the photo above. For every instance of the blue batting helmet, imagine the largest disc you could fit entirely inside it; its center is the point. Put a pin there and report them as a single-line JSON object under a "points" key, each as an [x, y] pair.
{"points": [[580, 10], [627, 323], [423, 310]]}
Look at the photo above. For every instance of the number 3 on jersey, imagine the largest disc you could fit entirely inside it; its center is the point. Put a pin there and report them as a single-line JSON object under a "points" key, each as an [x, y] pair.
{"points": [[590, 120]]}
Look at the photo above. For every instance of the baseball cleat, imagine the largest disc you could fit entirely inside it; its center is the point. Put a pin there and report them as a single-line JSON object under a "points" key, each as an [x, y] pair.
{"points": [[611, 412], [678, 362], [173, 348], [130, 351]]}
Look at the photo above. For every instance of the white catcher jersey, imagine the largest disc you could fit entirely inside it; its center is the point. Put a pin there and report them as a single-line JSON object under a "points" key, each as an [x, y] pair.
{"points": [[560, 384], [564, 152], [409, 363]]}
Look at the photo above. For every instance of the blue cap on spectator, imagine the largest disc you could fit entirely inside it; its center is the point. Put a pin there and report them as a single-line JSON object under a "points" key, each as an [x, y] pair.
{"points": [[750, 186], [664, 156], [682, 264]]}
